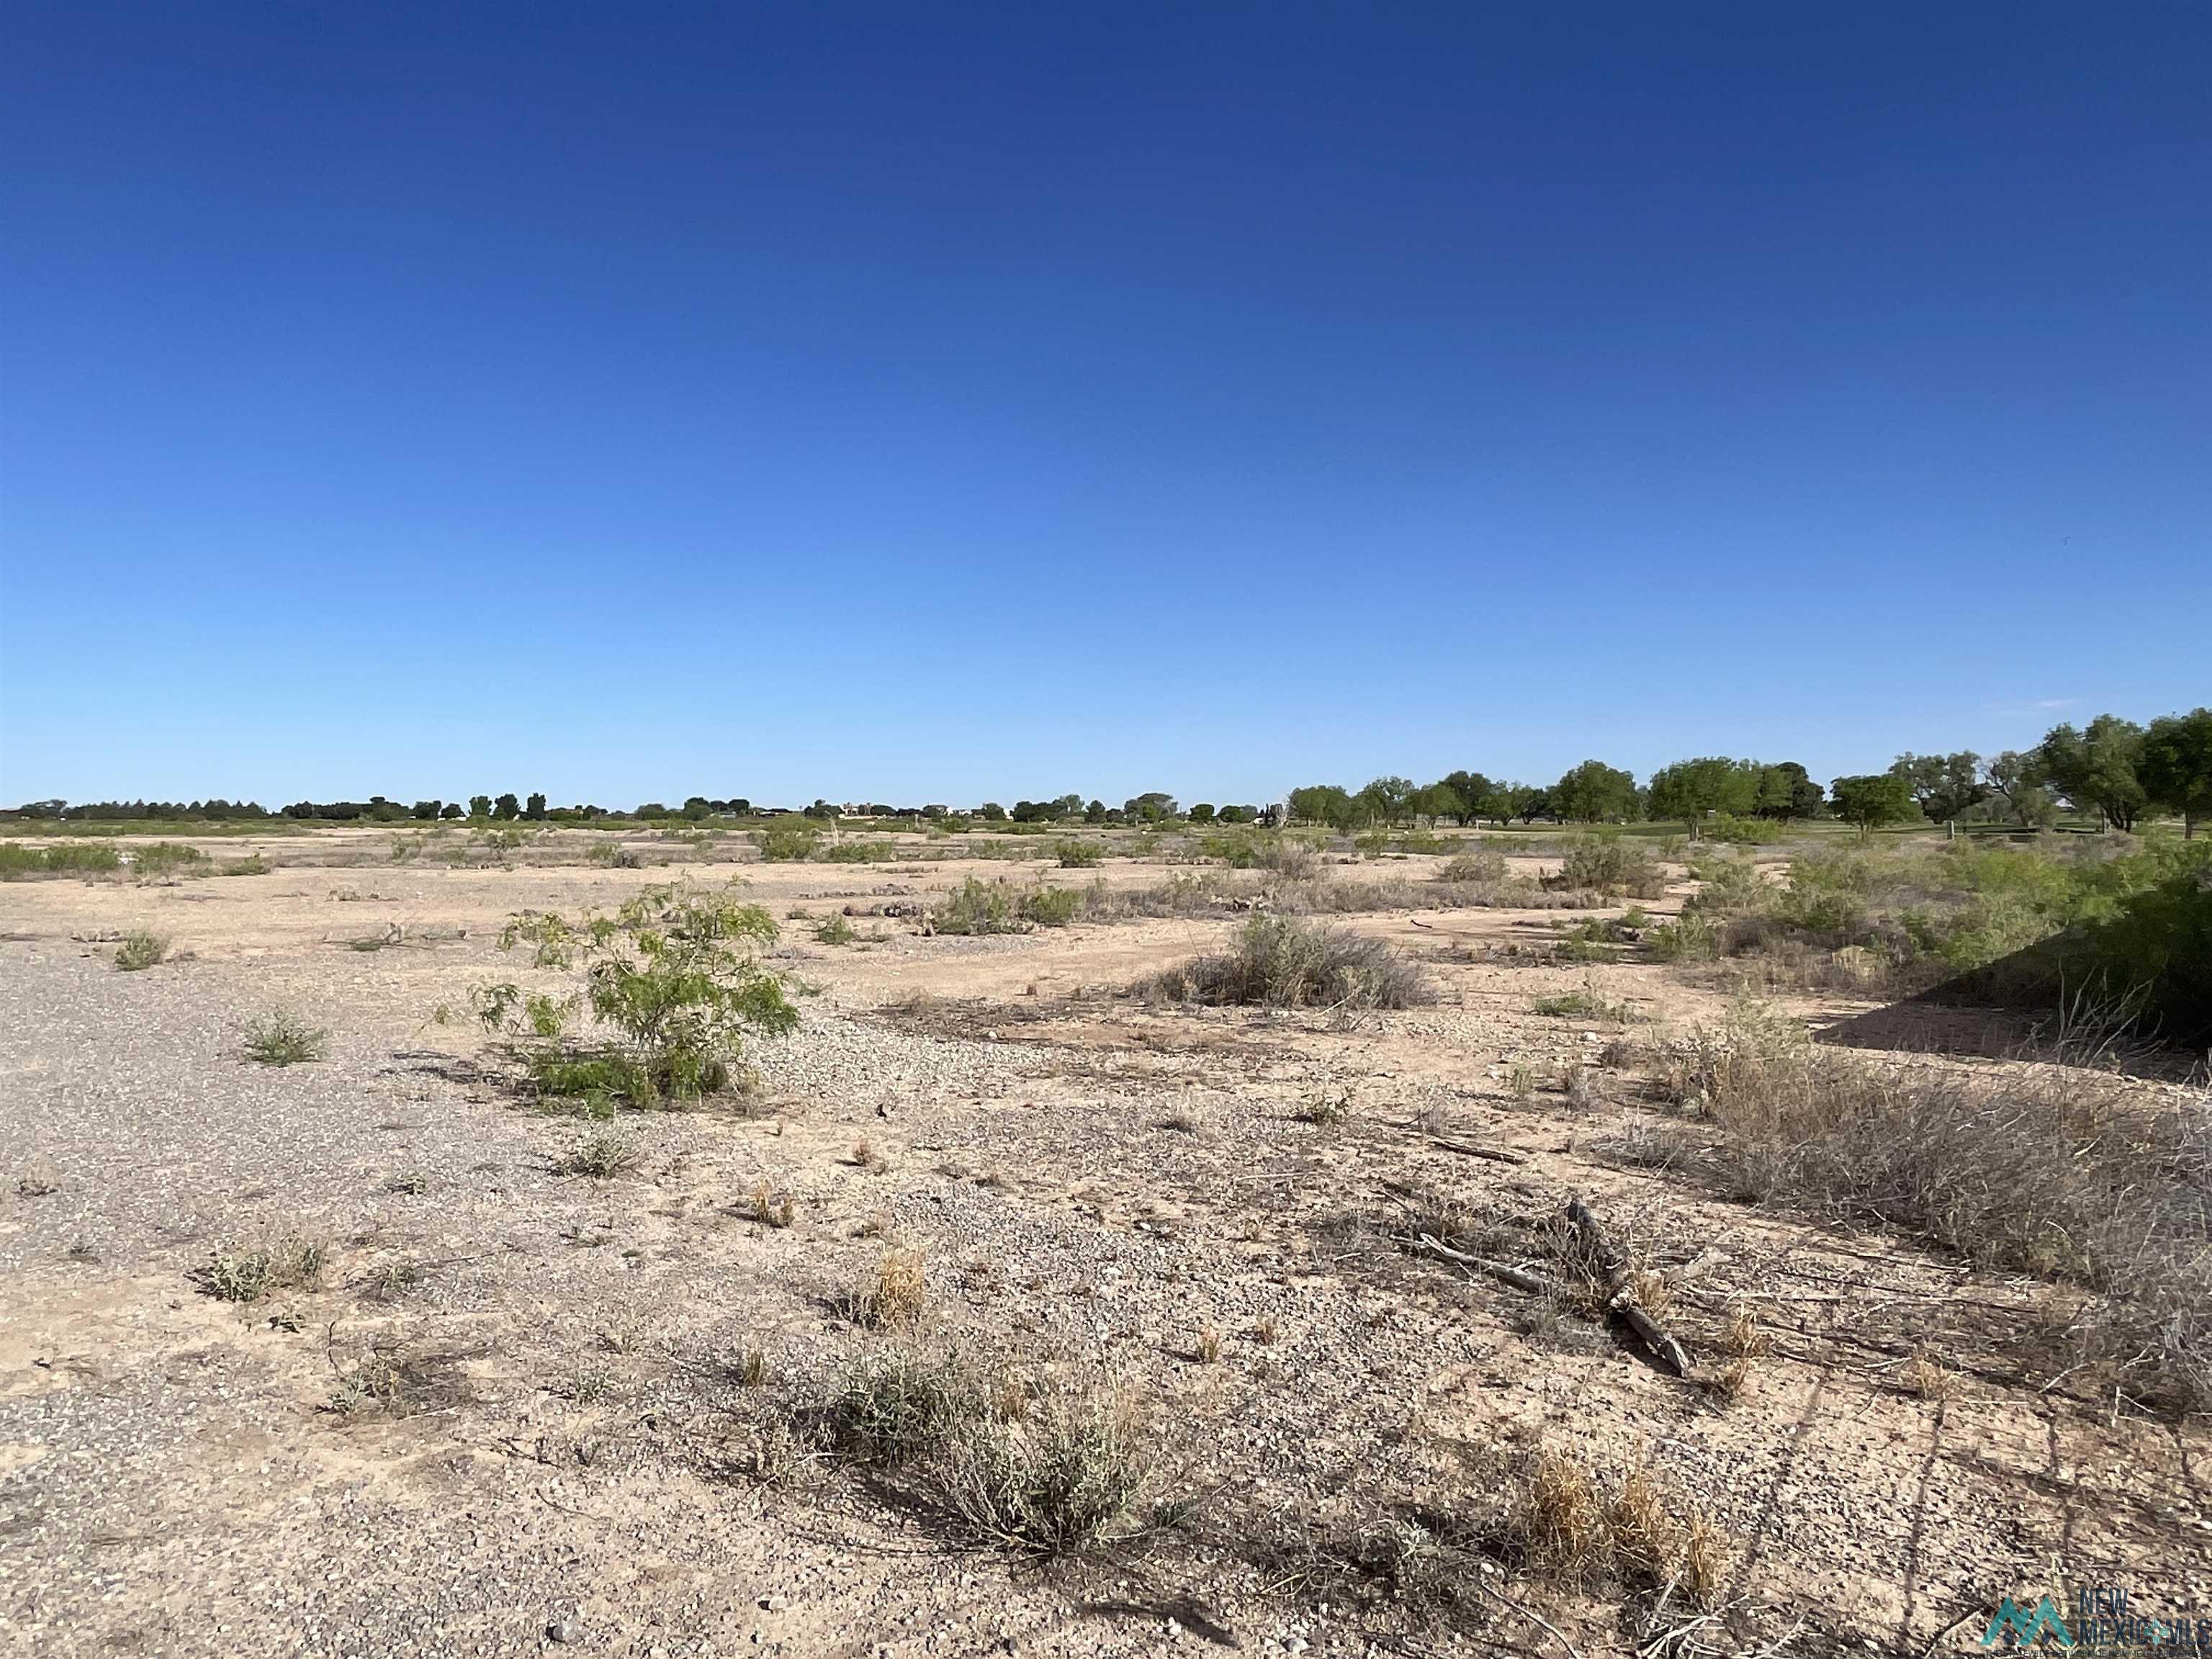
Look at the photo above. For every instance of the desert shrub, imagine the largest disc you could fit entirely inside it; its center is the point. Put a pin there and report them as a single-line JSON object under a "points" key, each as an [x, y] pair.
{"points": [[67, 859], [289, 1264], [673, 987], [1726, 885], [899, 1408], [1605, 864], [2039, 1168], [1690, 938], [1282, 962], [977, 906], [1743, 832], [788, 843], [1058, 1482], [1050, 907], [141, 949], [285, 1039], [1081, 854], [162, 858], [1483, 863], [857, 851]]}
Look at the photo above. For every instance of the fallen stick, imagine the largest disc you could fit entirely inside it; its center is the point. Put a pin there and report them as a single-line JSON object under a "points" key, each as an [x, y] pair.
{"points": [[1497, 1270], [1495, 1154], [1620, 1295]]}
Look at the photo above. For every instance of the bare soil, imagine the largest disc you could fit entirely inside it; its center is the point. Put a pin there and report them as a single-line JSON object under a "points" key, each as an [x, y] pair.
{"points": [[561, 1452]]}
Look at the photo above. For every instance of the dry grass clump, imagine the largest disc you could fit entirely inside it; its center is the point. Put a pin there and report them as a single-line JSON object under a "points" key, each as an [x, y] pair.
{"points": [[1601, 865], [1641, 1533], [1279, 962], [602, 1155], [771, 1205], [1928, 1377], [2048, 1169], [892, 1294], [290, 1264], [1484, 864]]}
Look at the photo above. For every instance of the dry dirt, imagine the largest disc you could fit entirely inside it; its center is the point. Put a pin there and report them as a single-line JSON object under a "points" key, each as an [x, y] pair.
{"points": [[1094, 1182]]}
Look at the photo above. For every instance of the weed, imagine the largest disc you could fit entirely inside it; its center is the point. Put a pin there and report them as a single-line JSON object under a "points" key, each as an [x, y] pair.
{"points": [[291, 1263], [141, 949], [896, 1408], [602, 1155], [1929, 1378], [772, 1206], [284, 1039], [893, 1294]]}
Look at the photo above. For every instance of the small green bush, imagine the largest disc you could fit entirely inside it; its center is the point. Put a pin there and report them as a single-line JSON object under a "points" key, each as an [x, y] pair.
{"points": [[284, 1039], [162, 858], [1051, 907], [788, 843], [857, 851], [141, 949], [17, 860]]}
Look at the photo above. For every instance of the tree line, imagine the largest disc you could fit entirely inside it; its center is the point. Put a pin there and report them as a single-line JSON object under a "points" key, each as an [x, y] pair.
{"points": [[2112, 768]]}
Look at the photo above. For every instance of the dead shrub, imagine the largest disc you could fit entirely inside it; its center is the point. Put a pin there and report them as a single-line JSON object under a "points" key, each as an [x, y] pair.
{"points": [[2052, 1170]]}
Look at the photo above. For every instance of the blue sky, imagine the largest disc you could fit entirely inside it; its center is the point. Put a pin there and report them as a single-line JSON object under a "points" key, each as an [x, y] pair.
{"points": [[949, 402]]}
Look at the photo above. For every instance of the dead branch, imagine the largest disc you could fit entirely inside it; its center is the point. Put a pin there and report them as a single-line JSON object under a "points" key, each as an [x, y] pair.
{"points": [[1620, 1295], [1497, 1270]]}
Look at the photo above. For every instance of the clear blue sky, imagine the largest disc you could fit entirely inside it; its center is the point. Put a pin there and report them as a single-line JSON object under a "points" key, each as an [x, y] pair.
{"points": [[942, 402]]}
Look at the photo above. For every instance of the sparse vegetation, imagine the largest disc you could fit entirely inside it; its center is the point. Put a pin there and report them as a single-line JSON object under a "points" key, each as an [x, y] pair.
{"points": [[285, 1039], [602, 1155], [2122, 1201]]}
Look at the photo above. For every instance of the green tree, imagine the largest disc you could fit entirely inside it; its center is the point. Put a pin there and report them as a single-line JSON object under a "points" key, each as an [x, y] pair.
{"points": [[1593, 793], [1944, 786], [1874, 798], [2176, 768], [1787, 791], [2015, 779], [506, 807], [1440, 800], [1387, 799], [2094, 770], [1475, 794], [1691, 789]]}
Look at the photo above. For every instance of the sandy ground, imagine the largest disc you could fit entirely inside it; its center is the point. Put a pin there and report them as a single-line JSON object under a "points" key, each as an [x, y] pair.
{"points": [[1093, 1182]]}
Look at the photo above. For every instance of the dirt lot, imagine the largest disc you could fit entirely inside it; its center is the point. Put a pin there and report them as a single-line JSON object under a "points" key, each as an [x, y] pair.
{"points": [[1159, 1200]]}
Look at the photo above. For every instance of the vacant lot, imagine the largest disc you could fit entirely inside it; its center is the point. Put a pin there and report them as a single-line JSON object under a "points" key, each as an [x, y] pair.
{"points": [[1110, 1272]]}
